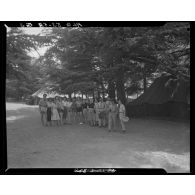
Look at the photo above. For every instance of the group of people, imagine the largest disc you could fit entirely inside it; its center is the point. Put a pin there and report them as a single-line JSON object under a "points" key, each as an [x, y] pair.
{"points": [[62, 110]]}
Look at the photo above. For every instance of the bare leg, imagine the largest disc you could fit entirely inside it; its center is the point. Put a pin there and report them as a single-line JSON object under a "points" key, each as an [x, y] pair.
{"points": [[109, 122], [42, 119], [123, 126]]}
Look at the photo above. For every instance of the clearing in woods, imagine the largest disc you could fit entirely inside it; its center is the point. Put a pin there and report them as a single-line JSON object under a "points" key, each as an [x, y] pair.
{"points": [[147, 143]]}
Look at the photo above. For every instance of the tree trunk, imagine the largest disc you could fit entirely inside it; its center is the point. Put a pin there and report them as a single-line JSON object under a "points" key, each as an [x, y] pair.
{"points": [[93, 95], [144, 80], [98, 94], [111, 90], [121, 89]]}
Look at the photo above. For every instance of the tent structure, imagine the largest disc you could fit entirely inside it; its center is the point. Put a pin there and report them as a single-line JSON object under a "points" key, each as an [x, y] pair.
{"points": [[50, 93], [161, 99]]}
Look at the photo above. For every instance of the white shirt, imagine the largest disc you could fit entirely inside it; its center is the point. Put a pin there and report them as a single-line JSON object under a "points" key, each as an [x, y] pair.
{"points": [[68, 104], [65, 103], [122, 109]]}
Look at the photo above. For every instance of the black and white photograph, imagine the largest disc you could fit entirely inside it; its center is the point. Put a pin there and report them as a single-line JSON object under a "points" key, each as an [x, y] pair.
{"points": [[98, 97]]}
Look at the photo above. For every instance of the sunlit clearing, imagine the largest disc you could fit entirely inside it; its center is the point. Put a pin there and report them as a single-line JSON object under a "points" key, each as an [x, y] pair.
{"points": [[15, 106], [13, 118], [163, 160]]}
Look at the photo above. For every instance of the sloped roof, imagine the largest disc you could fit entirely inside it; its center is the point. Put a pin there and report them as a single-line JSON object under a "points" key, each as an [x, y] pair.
{"points": [[158, 93], [46, 90]]}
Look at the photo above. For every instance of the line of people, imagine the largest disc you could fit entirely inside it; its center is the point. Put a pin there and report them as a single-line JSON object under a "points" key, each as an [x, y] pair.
{"points": [[62, 110]]}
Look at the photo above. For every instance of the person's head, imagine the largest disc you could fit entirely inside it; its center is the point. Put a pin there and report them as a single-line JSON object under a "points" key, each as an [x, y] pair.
{"points": [[44, 96], [119, 101], [91, 100], [56, 98], [50, 99]]}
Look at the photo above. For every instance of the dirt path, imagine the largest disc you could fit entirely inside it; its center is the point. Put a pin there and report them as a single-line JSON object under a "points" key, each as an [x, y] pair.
{"points": [[147, 143]]}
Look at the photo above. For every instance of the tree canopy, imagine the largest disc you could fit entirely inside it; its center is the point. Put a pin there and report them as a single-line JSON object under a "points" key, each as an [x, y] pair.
{"points": [[117, 61]]}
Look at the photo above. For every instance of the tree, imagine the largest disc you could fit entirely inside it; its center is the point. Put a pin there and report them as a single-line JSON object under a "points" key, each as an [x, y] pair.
{"points": [[104, 60], [21, 76]]}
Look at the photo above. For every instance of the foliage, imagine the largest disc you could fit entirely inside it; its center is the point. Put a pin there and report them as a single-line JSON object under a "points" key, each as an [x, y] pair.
{"points": [[100, 59]]}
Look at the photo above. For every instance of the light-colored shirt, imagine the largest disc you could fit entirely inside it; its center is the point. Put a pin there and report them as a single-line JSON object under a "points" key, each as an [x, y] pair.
{"points": [[113, 108], [96, 106], [122, 109], [68, 104], [65, 103], [49, 104], [43, 103], [60, 105], [101, 105]]}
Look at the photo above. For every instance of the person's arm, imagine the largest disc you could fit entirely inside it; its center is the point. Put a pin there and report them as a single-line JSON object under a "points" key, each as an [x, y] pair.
{"points": [[123, 109], [40, 106]]}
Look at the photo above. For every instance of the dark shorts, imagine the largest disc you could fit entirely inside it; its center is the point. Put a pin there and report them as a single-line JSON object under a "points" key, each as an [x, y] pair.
{"points": [[60, 110], [65, 113], [48, 114], [79, 109], [102, 114]]}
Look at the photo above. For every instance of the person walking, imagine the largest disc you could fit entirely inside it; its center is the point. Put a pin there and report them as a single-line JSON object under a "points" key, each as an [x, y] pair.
{"points": [[122, 116], [43, 109], [112, 115]]}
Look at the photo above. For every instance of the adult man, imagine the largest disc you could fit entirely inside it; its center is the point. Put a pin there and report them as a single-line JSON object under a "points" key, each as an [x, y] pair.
{"points": [[113, 110], [43, 109], [107, 104], [102, 113], [69, 110], [65, 111]]}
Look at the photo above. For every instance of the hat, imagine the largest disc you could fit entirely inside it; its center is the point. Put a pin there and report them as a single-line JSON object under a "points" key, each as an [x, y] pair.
{"points": [[125, 119]]}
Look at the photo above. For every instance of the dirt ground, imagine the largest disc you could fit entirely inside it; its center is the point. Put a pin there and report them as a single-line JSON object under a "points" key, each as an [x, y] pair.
{"points": [[147, 144]]}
